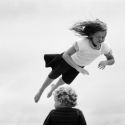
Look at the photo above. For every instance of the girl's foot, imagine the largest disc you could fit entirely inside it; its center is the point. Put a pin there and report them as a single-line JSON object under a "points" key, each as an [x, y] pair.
{"points": [[51, 91], [37, 97]]}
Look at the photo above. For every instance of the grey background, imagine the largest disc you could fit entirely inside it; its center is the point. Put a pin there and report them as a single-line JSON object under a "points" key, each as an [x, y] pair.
{"points": [[30, 28]]}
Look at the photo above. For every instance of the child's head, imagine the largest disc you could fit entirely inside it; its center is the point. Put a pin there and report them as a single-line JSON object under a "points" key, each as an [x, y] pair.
{"points": [[65, 96], [89, 28]]}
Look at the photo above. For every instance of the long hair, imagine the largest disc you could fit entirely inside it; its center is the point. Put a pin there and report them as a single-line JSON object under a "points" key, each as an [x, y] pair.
{"points": [[88, 28]]}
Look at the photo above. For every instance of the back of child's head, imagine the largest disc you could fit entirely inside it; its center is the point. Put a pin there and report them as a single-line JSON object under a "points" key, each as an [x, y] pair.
{"points": [[66, 96], [88, 28]]}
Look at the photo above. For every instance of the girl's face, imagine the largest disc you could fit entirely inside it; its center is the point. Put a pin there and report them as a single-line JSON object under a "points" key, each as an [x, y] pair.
{"points": [[98, 37]]}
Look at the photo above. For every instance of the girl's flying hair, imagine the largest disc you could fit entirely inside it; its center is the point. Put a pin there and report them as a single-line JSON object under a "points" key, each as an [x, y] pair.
{"points": [[88, 28]]}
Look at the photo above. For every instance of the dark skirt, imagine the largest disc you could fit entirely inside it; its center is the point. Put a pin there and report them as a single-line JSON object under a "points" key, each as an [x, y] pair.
{"points": [[60, 67], [51, 60]]}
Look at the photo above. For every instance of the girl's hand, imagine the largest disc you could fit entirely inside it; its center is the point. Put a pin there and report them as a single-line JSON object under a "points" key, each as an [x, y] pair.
{"points": [[102, 65], [83, 71]]}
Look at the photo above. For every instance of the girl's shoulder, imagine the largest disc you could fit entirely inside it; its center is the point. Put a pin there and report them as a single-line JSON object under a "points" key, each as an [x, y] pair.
{"points": [[105, 48], [105, 45], [83, 41]]}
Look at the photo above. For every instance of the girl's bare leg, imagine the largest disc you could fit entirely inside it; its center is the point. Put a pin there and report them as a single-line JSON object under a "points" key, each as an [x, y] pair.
{"points": [[47, 82], [59, 83]]}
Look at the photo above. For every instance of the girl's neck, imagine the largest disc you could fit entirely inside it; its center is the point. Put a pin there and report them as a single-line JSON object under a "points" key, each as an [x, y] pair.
{"points": [[93, 45]]}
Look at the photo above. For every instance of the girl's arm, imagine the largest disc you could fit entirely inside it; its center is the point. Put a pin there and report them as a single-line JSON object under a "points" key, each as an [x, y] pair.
{"points": [[67, 57], [110, 60]]}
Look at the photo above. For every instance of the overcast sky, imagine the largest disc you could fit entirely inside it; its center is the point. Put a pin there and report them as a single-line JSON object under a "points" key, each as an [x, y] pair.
{"points": [[31, 28]]}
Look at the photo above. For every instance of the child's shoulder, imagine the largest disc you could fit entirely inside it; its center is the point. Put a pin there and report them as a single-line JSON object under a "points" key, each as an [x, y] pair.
{"points": [[83, 43], [76, 109], [83, 39]]}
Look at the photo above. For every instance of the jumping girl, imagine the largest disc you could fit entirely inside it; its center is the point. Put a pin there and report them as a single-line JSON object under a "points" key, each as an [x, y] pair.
{"points": [[82, 53]]}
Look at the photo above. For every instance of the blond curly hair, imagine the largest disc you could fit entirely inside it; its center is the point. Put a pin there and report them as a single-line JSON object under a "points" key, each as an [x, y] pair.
{"points": [[66, 96]]}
